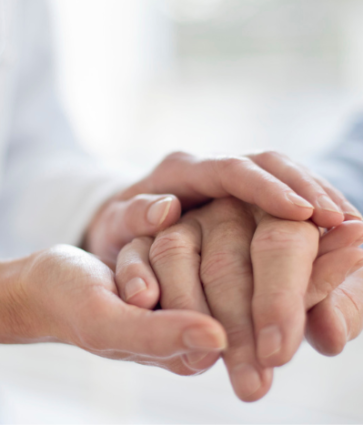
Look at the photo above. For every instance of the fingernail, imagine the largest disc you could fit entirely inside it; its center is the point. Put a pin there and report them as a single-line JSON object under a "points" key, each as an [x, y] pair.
{"points": [[246, 380], [350, 210], [159, 210], [325, 203], [343, 322], [269, 342], [204, 339], [298, 200], [134, 286], [194, 358]]}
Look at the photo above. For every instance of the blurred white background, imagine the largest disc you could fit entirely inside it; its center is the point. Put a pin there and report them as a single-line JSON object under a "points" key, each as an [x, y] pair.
{"points": [[141, 78]]}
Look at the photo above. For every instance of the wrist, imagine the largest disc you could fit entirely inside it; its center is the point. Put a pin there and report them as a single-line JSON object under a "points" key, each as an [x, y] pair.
{"points": [[20, 314]]}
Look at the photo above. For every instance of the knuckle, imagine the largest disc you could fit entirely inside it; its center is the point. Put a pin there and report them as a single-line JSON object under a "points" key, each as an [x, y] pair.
{"points": [[277, 238], [178, 156], [129, 256], [128, 271], [179, 300], [221, 264], [320, 288], [278, 303], [229, 211], [231, 162], [351, 301], [266, 157], [170, 244], [239, 336]]}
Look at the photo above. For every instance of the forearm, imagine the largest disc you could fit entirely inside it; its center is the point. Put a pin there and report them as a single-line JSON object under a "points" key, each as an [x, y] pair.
{"points": [[15, 323], [24, 315]]}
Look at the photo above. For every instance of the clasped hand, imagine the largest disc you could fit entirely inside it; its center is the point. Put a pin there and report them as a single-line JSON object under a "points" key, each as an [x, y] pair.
{"points": [[256, 274], [241, 275]]}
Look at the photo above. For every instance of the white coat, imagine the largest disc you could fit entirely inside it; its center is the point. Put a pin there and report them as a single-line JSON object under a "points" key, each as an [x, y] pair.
{"points": [[49, 188]]}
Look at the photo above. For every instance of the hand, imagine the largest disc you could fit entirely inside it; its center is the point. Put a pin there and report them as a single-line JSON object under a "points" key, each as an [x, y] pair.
{"points": [[268, 180], [255, 272], [66, 295], [118, 222], [339, 317]]}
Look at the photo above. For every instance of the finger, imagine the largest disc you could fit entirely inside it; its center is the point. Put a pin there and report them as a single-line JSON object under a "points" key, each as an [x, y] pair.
{"points": [[349, 233], [329, 271], [160, 334], [327, 212], [282, 256], [337, 319], [195, 181], [175, 259], [142, 215], [349, 210], [135, 279], [228, 284]]}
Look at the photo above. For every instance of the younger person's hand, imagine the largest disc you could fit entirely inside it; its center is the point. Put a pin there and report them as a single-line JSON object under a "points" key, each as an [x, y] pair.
{"points": [[65, 295], [269, 180]]}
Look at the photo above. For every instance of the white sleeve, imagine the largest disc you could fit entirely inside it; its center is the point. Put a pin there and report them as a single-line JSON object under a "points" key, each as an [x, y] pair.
{"points": [[343, 165], [50, 188]]}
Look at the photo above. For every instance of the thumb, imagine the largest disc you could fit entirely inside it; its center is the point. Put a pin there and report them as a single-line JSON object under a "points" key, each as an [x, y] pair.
{"points": [[121, 221], [329, 271], [116, 326]]}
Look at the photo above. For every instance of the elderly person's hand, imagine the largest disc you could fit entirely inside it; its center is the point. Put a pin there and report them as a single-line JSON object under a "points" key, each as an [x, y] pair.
{"points": [[268, 180], [65, 295], [338, 318], [256, 274]]}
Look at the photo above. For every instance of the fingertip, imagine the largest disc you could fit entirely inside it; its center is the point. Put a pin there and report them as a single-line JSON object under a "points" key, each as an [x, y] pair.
{"points": [[250, 383], [325, 330], [350, 211], [300, 202], [351, 217], [276, 346], [140, 293], [327, 219], [173, 214], [145, 300], [164, 212], [291, 207]]}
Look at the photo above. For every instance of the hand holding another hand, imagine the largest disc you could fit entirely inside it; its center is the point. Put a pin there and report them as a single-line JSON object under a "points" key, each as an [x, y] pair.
{"points": [[256, 270], [226, 271], [66, 295], [268, 180]]}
